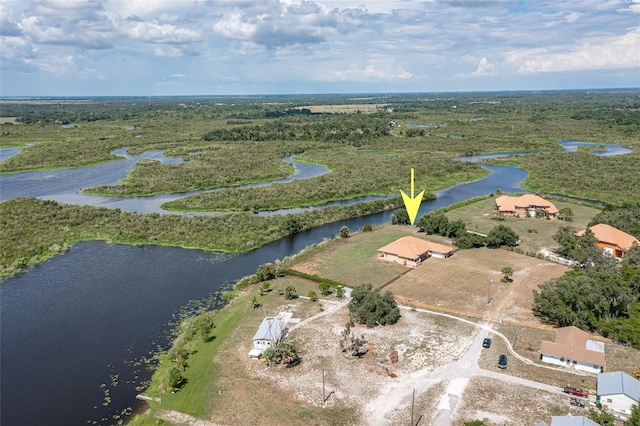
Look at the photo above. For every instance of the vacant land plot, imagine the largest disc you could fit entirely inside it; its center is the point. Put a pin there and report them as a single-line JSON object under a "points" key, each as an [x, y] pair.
{"points": [[397, 354], [462, 282], [535, 233], [354, 261], [500, 403], [346, 109]]}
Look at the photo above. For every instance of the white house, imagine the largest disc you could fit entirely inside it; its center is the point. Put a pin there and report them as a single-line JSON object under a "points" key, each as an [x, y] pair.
{"points": [[574, 349], [617, 391], [270, 333]]}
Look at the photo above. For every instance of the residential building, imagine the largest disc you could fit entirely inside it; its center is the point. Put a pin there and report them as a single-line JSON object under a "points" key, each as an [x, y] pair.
{"points": [[618, 392], [269, 334], [527, 205], [611, 241], [412, 251], [574, 349], [572, 421]]}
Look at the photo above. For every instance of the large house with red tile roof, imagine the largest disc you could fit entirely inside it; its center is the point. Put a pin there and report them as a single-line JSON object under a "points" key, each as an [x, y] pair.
{"points": [[574, 349], [412, 251], [527, 205], [611, 241]]}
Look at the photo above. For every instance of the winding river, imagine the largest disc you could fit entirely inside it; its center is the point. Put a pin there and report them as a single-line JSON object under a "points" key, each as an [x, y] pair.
{"points": [[75, 327]]}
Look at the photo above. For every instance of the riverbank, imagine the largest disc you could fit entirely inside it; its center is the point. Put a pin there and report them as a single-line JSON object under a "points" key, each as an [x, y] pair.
{"points": [[34, 230]]}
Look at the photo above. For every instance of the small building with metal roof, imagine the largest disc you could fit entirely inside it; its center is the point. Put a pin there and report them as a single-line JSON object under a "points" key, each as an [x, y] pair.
{"points": [[572, 421], [617, 391], [270, 333]]}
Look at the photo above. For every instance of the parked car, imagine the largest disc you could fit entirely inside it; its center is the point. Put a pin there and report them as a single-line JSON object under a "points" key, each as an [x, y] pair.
{"points": [[486, 343], [576, 391], [577, 402], [502, 361]]}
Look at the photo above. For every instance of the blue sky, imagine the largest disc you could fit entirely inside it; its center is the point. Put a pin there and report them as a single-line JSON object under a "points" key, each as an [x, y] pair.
{"points": [[225, 47]]}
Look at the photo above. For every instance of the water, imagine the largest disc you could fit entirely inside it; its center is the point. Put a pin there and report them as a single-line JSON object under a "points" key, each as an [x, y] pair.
{"points": [[72, 323]]}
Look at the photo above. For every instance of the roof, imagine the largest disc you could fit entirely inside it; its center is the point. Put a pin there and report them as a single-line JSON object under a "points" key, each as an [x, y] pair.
{"points": [[412, 247], [574, 344], [618, 383], [509, 204], [271, 329], [572, 421], [608, 234]]}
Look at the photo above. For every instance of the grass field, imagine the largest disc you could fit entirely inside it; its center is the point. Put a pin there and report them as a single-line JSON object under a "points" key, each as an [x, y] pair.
{"points": [[461, 282], [534, 233]]}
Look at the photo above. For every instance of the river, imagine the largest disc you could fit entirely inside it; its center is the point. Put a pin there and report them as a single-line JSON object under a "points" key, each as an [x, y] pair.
{"points": [[75, 327]]}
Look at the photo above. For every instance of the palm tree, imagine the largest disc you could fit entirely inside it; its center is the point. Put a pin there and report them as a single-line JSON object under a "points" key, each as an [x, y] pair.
{"points": [[508, 272]]}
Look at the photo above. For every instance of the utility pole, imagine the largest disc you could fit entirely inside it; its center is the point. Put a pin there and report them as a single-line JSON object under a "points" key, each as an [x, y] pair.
{"points": [[323, 395], [413, 400], [489, 293]]}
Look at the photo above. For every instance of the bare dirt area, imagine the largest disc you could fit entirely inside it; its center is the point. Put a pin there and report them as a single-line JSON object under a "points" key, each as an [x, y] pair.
{"points": [[507, 404], [398, 360], [345, 109], [462, 282]]}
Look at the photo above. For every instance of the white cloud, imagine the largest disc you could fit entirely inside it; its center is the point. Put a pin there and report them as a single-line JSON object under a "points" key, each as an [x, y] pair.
{"points": [[617, 52], [234, 27], [154, 32], [573, 17], [368, 73], [484, 67]]}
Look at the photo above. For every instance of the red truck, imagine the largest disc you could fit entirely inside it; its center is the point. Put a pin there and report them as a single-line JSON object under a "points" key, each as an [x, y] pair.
{"points": [[576, 392]]}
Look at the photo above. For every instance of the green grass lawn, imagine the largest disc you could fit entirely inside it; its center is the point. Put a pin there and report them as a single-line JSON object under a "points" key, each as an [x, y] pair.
{"points": [[535, 233], [351, 258]]}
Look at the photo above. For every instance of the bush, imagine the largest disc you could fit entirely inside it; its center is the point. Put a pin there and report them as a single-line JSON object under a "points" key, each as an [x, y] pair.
{"points": [[372, 308]]}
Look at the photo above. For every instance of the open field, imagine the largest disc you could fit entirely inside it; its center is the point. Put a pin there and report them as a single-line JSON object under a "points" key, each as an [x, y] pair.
{"points": [[535, 233], [462, 282], [363, 391], [507, 404], [344, 109]]}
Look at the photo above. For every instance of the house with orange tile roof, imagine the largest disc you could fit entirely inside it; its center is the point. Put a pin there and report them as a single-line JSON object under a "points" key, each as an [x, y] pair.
{"points": [[527, 205], [611, 241], [574, 349], [412, 251]]}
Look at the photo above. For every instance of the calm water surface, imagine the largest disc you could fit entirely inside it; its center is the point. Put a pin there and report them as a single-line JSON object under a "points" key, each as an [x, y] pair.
{"points": [[75, 325]]}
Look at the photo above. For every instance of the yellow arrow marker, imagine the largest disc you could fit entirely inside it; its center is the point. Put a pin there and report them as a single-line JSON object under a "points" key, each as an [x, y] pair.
{"points": [[412, 204]]}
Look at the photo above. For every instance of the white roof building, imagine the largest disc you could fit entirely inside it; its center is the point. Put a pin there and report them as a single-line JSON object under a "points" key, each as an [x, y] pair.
{"points": [[617, 391], [270, 333]]}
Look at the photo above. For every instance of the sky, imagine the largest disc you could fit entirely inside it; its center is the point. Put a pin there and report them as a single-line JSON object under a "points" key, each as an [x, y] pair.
{"points": [[244, 47]]}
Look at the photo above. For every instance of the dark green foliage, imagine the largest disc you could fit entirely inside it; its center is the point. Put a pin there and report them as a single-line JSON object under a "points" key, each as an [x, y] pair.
{"points": [[456, 228], [625, 218], [400, 217], [290, 292], [601, 298], [312, 295], [474, 423], [369, 307], [565, 214], [32, 230], [581, 248], [600, 416], [634, 420], [434, 224], [502, 236], [282, 353], [325, 288], [470, 240], [624, 329], [344, 232], [507, 271]]}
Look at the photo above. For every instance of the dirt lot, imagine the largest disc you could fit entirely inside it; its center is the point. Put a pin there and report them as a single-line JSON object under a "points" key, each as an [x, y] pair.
{"points": [[346, 109], [507, 404], [462, 282], [377, 386]]}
